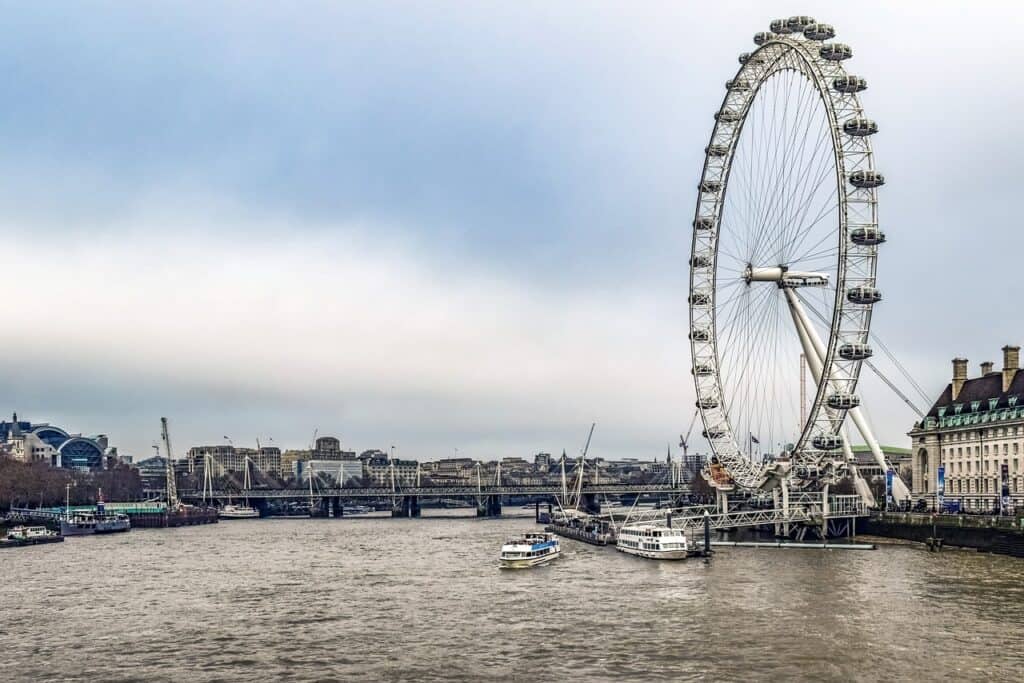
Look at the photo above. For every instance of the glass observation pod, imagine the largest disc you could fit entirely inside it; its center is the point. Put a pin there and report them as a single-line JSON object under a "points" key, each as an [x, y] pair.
{"points": [[780, 27], [700, 335], [867, 236], [835, 52], [819, 32], [747, 58], [827, 442], [700, 261], [849, 84], [703, 369], [713, 186], [737, 84], [716, 150], [707, 403], [843, 401], [703, 223], [728, 116], [700, 299], [855, 351], [762, 37], [864, 295], [799, 23], [866, 180], [860, 127]]}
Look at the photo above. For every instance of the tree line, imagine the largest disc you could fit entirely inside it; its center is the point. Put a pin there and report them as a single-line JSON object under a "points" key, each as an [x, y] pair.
{"points": [[38, 484]]}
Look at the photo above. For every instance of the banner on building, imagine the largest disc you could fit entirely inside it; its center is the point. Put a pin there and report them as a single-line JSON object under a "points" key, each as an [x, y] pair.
{"points": [[888, 488], [1004, 498], [940, 487]]}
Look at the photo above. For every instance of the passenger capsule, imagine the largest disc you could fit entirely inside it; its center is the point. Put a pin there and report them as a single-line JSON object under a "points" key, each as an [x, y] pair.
{"points": [[709, 403], [703, 369], [863, 295], [763, 37], [827, 442], [780, 27], [712, 434], [855, 351], [728, 116], [699, 299], [715, 186], [867, 179], [835, 52], [799, 23], [843, 401], [716, 150], [819, 32], [737, 84], [867, 236], [700, 334], [700, 261], [860, 127], [849, 84], [747, 58], [703, 223]]}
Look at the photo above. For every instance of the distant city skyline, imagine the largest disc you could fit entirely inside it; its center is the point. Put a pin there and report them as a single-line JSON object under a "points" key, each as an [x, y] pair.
{"points": [[463, 226]]}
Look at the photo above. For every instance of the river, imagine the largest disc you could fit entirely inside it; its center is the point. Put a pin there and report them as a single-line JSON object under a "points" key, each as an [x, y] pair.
{"points": [[377, 599]]}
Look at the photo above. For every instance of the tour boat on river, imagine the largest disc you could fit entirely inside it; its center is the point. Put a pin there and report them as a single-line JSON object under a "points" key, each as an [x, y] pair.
{"points": [[231, 511], [529, 550], [653, 541], [30, 535]]}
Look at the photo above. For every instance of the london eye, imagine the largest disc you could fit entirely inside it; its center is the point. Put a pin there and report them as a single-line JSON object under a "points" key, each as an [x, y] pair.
{"points": [[783, 265]]}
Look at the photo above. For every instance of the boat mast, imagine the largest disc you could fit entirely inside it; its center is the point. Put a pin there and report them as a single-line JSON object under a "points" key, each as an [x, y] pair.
{"points": [[172, 489]]}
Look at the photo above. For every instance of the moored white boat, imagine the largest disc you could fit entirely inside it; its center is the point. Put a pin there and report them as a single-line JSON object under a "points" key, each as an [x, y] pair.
{"points": [[231, 511], [529, 550], [653, 541]]}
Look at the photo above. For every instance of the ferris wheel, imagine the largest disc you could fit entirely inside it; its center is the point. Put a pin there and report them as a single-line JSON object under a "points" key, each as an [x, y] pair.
{"points": [[783, 264]]}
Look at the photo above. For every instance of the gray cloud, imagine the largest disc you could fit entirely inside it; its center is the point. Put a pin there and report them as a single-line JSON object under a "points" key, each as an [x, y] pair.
{"points": [[463, 226]]}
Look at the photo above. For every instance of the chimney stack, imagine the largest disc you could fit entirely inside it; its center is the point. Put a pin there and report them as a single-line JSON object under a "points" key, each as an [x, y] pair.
{"points": [[1011, 363], [986, 368], [959, 375]]}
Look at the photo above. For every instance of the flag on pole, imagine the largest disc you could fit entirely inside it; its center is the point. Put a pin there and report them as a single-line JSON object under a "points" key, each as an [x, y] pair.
{"points": [[754, 439]]}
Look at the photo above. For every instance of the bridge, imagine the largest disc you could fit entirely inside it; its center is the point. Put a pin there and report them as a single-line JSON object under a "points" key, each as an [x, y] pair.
{"points": [[831, 515], [406, 499]]}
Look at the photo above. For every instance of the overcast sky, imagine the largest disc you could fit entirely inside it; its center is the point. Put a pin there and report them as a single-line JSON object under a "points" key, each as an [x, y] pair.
{"points": [[447, 225]]}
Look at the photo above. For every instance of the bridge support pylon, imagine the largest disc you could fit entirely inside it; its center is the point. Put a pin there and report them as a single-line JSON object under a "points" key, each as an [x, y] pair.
{"points": [[489, 506], [406, 506], [590, 504]]}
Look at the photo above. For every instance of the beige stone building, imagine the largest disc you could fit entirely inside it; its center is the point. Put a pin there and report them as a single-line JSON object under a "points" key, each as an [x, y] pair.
{"points": [[974, 428]]}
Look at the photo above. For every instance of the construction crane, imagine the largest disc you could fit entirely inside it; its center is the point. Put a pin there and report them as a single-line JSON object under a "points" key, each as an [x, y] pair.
{"points": [[172, 488]]}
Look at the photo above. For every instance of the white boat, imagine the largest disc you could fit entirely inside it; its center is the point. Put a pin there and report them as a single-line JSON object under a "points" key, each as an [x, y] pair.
{"points": [[529, 550], [654, 541], [28, 533], [231, 511]]}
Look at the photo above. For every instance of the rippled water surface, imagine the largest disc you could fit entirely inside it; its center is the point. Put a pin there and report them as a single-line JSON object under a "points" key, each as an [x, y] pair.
{"points": [[380, 599]]}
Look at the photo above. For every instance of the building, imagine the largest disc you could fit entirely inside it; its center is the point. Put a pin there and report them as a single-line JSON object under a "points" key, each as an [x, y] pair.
{"points": [[47, 443], [898, 457], [339, 472], [329, 448], [292, 456], [227, 458], [377, 469], [975, 432], [153, 472]]}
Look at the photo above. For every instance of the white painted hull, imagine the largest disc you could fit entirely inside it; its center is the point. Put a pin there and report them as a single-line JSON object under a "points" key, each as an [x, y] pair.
{"points": [[527, 562], [678, 554], [239, 513]]}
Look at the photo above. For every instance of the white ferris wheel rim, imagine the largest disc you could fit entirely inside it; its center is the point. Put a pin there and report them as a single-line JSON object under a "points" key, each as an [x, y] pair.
{"points": [[800, 49]]}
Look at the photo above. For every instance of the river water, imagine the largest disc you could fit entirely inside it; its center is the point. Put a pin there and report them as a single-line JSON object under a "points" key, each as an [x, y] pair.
{"points": [[376, 599]]}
